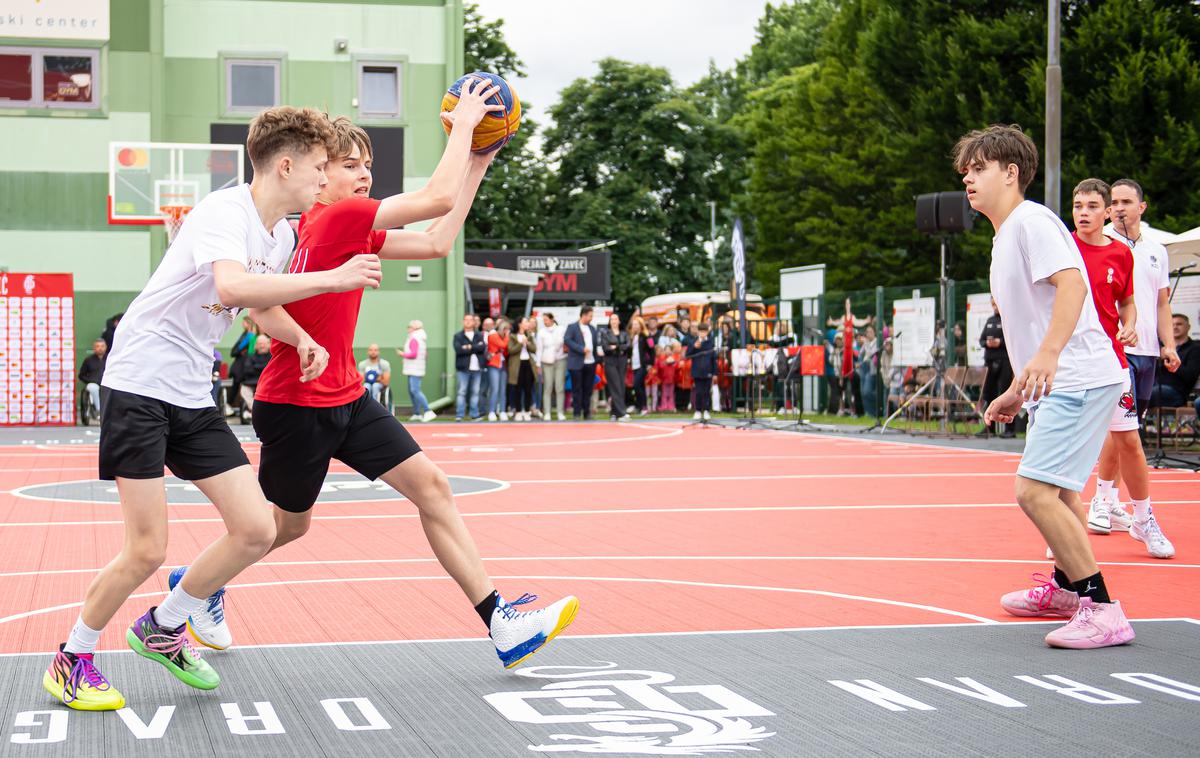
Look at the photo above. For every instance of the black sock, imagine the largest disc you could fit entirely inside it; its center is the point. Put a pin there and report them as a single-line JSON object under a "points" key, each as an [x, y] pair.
{"points": [[486, 607], [1062, 580], [1093, 587]]}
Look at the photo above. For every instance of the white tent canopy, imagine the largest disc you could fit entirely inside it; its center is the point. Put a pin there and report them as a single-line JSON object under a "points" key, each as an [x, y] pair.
{"points": [[1182, 248]]}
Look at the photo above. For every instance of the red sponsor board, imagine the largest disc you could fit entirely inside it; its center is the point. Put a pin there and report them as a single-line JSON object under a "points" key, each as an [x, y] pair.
{"points": [[494, 308], [812, 360], [37, 349]]}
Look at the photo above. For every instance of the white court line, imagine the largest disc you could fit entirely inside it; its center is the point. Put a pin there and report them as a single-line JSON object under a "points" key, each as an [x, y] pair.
{"points": [[624, 635], [548, 558], [657, 436], [632, 580], [583, 512]]}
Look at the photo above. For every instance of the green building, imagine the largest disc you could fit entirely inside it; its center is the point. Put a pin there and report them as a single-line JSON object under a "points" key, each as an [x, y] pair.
{"points": [[76, 75]]}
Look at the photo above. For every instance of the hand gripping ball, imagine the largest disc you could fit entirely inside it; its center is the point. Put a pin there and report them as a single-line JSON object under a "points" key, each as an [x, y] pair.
{"points": [[496, 128]]}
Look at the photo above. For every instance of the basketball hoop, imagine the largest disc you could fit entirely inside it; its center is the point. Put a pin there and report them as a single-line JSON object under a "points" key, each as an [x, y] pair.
{"points": [[172, 216]]}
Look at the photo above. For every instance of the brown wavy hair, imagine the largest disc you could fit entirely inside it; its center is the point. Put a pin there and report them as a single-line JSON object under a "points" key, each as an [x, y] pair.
{"points": [[1004, 144], [287, 129], [347, 134]]}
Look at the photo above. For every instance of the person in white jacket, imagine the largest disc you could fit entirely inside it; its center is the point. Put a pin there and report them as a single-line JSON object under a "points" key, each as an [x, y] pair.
{"points": [[551, 355], [414, 368]]}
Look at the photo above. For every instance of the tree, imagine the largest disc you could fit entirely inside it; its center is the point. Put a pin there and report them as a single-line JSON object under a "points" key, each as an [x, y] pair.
{"points": [[638, 161], [510, 203]]}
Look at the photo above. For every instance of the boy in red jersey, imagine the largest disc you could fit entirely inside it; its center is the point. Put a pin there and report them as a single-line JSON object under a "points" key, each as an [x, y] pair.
{"points": [[303, 427], [1110, 267]]}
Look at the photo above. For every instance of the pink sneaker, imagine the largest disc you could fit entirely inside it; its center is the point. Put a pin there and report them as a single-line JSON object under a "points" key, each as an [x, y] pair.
{"points": [[1047, 599], [1093, 625]]}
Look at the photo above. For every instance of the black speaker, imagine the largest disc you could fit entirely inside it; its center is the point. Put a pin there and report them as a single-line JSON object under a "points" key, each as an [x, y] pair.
{"points": [[927, 213], [944, 213], [954, 212]]}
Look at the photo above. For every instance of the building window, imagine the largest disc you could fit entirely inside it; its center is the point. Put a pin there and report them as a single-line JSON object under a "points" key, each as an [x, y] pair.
{"points": [[379, 89], [49, 78], [251, 85]]}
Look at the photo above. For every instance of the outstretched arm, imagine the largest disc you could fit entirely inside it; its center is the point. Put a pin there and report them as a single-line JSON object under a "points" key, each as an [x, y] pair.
{"points": [[438, 197], [238, 288], [438, 240]]}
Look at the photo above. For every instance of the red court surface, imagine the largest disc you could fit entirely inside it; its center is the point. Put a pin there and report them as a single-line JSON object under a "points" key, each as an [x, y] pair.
{"points": [[655, 527]]}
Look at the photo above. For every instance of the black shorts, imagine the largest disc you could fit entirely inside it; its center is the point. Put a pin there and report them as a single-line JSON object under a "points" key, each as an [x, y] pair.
{"points": [[139, 435], [298, 442]]}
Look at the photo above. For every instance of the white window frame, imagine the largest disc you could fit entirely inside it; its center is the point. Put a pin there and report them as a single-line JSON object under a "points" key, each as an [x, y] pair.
{"points": [[230, 62], [360, 69], [38, 71]]}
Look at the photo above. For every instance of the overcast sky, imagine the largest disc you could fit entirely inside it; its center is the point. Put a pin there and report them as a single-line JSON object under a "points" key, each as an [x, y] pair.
{"points": [[561, 40]]}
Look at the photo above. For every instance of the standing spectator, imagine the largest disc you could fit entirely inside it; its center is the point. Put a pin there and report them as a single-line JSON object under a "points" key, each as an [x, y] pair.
{"points": [[497, 372], [242, 347], [723, 343], [848, 323], [551, 354], [833, 363], [468, 364], [580, 339], [488, 327], [998, 373], [1171, 388], [704, 365], [686, 338], [614, 347], [255, 363], [666, 365], [641, 358], [868, 369], [375, 373], [91, 371], [653, 382], [522, 354], [652, 331], [414, 354]]}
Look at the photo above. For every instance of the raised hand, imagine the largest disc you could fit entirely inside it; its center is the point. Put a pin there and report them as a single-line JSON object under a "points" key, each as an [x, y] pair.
{"points": [[472, 104]]}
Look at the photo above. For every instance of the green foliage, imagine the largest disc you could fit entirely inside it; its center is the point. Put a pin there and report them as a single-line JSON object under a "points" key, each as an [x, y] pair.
{"points": [[638, 160]]}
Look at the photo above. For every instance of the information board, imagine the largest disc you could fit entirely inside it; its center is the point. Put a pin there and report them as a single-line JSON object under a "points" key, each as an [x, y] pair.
{"points": [[912, 330], [37, 349]]}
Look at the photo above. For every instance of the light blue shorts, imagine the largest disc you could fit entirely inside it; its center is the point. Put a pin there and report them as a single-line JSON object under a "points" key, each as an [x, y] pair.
{"points": [[1066, 432]]}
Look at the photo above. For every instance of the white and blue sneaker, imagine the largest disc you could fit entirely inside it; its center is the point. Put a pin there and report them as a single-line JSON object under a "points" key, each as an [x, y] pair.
{"points": [[519, 634], [207, 625]]}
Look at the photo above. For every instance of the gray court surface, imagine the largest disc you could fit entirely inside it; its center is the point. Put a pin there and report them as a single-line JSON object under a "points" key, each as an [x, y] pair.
{"points": [[954, 690]]}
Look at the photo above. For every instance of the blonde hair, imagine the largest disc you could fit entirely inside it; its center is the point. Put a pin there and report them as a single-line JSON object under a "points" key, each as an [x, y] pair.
{"points": [[416, 324]]}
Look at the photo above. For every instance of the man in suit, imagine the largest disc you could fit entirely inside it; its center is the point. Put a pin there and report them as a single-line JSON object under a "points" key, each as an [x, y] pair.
{"points": [[580, 340], [469, 350]]}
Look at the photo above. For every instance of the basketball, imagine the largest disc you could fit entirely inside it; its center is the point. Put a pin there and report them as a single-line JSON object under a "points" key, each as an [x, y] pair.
{"points": [[496, 129]]}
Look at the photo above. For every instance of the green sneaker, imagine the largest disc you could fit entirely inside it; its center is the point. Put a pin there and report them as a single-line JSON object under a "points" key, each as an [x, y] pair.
{"points": [[173, 650]]}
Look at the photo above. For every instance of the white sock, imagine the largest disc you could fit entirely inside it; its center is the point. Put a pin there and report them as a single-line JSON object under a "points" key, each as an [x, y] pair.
{"points": [[176, 608], [1105, 489], [1141, 510], [83, 638]]}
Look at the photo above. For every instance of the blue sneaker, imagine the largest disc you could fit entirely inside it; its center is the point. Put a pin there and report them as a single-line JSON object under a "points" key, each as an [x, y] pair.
{"points": [[519, 634], [207, 625]]}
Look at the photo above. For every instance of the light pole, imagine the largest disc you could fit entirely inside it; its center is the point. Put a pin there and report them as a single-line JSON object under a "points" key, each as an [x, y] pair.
{"points": [[1053, 109]]}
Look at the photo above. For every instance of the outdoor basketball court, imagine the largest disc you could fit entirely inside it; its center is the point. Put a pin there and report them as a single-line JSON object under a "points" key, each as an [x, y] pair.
{"points": [[792, 594]]}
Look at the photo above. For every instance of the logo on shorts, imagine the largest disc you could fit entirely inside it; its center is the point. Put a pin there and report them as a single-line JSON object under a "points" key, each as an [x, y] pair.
{"points": [[1126, 401]]}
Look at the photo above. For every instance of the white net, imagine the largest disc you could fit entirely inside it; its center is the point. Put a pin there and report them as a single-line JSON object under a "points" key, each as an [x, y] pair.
{"points": [[173, 216]]}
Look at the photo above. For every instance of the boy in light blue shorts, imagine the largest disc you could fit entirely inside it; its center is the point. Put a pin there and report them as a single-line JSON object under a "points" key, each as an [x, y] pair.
{"points": [[1068, 376]]}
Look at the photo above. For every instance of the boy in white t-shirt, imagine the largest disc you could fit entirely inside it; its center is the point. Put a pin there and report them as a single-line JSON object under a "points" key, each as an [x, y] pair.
{"points": [[157, 400], [1067, 374], [1123, 453]]}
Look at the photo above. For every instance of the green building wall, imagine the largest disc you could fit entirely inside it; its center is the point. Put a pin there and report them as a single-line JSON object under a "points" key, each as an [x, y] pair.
{"points": [[162, 80]]}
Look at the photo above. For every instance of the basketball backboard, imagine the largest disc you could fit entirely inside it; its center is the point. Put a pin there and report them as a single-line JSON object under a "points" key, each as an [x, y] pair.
{"points": [[144, 177]]}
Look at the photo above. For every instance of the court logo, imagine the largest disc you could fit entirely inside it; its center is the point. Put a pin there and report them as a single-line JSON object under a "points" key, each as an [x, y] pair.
{"points": [[631, 711]]}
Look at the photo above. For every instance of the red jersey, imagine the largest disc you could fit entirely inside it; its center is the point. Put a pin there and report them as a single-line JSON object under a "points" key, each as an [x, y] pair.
{"points": [[1110, 273], [329, 236], [847, 346]]}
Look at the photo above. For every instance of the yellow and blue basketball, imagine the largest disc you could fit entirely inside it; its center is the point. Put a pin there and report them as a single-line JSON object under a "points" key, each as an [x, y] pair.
{"points": [[497, 127]]}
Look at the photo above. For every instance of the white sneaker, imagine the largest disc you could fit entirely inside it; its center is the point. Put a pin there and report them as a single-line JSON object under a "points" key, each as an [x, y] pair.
{"points": [[1150, 533], [491, 415], [518, 635], [1098, 521], [414, 417], [626, 417], [207, 625], [562, 417], [1120, 518], [707, 416], [428, 416], [504, 415], [697, 415]]}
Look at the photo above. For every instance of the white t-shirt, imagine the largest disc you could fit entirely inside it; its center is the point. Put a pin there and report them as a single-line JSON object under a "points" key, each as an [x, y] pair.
{"points": [[1032, 245], [163, 347], [1150, 274], [474, 364], [588, 357]]}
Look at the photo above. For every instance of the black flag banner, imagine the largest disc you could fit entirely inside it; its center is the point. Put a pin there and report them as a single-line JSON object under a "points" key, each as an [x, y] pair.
{"points": [[738, 246]]}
